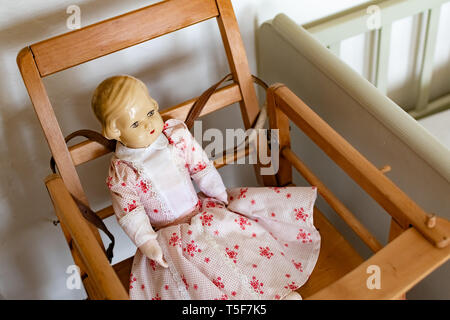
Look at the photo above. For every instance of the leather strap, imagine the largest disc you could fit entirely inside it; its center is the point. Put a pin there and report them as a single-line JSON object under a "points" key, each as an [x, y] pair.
{"points": [[200, 103], [198, 106], [90, 135]]}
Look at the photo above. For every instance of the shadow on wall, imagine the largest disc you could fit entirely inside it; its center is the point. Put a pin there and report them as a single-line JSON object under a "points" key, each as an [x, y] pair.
{"points": [[27, 235], [25, 205], [29, 257]]}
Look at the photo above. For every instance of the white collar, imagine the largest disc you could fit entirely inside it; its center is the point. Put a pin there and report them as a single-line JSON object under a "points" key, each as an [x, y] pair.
{"points": [[136, 154]]}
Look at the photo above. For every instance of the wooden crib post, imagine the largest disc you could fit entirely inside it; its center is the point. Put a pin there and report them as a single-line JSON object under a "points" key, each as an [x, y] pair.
{"points": [[278, 120]]}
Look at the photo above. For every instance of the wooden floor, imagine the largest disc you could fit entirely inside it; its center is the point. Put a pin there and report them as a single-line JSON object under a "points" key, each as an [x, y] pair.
{"points": [[337, 257]]}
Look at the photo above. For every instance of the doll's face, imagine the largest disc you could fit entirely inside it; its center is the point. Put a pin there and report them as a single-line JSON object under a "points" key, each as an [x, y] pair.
{"points": [[139, 125]]}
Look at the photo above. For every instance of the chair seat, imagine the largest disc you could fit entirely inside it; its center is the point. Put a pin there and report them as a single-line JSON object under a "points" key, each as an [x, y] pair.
{"points": [[337, 257]]}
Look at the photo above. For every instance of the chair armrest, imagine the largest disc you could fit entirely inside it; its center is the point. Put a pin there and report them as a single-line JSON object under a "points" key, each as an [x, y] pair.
{"points": [[97, 266], [403, 263]]}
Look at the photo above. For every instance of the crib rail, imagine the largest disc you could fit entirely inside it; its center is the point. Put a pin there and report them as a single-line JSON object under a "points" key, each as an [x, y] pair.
{"points": [[331, 31], [284, 104]]}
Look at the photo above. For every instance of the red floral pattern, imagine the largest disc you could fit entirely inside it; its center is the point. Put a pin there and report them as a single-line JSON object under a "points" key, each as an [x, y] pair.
{"points": [[199, 167], [131, 206], [256, 285], [297, 265], [206, 219], [291, 286], [186, 284], [191, 248], [108, 182], [265, 252], [218, 283], [300, 214], [132, 279], [175, 240], [304, 236], [242, 192], [243, 222], [143, 186], [152, 264], [157, 297], [277, 189], [232, 254]]}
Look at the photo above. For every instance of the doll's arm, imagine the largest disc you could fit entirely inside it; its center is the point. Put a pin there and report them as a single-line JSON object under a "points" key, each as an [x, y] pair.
{"points": [[130, 213], [201, 169]]}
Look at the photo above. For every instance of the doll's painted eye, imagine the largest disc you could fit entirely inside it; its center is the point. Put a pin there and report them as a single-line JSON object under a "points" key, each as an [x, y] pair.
{"points": [[150, 113], [135, 125]]}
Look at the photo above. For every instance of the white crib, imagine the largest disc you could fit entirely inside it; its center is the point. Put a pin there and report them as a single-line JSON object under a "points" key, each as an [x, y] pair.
{"points": [[370, 121]]}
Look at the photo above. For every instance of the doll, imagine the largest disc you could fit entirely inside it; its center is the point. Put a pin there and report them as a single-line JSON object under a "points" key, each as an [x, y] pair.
{"points": [[240, 243]]}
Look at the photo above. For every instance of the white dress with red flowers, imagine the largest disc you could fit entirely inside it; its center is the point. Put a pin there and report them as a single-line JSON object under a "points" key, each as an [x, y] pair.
{"points": [[240, 243]]}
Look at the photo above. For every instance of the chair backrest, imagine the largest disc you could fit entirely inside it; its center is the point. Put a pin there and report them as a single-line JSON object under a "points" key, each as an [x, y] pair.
{"points": [[70, 49]]}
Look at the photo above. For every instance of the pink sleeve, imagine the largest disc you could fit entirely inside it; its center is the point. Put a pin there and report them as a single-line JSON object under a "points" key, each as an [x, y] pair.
{"points": [[131, 216], [201, 169]]}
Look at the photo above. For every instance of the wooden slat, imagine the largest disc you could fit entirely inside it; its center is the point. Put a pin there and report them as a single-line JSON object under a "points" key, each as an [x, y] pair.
{"points": [[237, 59], [120, 32], [435, 106], [89, 150], [382, 60], [352, 22], [49, 124], [403, 263], [394, 231], [105, 213], [92, 255], [376, 184], [336, 257], [333, 201], [428, 57], [278, 120], [220, 99], [123, 271]]}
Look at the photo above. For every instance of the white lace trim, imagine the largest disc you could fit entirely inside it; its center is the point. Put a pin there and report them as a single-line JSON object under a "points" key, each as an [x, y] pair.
{"points": [[165, 211], [184, 293]]}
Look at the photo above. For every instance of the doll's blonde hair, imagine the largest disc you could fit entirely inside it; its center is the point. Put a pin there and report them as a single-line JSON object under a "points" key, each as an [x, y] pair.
{"points": [[112, 96]]}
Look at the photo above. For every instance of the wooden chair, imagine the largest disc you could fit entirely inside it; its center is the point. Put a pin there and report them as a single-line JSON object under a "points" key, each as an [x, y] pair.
{"points": [[419, 242]]}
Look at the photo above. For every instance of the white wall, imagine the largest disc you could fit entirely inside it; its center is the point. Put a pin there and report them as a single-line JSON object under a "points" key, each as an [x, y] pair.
{"points": [[33, 253]]}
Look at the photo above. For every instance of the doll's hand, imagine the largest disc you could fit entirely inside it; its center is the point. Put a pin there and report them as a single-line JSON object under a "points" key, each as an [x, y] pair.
{"points": [[152, 250], [223, 197]]}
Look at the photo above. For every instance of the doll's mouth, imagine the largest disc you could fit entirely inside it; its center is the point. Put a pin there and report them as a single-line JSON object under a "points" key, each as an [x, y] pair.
{"points": [[152, 132]]}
